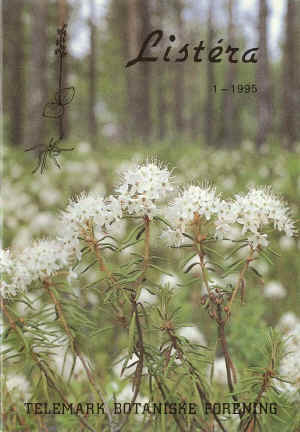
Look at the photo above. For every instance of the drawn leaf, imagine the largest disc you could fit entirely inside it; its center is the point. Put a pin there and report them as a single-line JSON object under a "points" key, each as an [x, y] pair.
{"points": [[53, 110]]}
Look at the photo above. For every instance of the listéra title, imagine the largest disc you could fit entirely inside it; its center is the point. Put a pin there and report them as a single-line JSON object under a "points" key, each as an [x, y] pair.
{"points": [[213, 55]]}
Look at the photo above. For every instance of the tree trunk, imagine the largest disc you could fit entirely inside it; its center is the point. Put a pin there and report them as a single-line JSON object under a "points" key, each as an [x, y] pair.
{"points": [[263, 77], [228, 133], [179, 74], [209, 108], [161, 95], [144, 110], [14, 57], [38, 87], [289, 76], [132, 73], [92, 121], [297, 68]]}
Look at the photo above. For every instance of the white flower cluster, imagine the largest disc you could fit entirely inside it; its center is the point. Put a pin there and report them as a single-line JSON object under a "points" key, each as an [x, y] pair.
{"points": [[40, 261], [143, 186], [141, 192], [93, 207], [6, 268], [6, 262], [201, 201], [253, 212], [260, 208]]}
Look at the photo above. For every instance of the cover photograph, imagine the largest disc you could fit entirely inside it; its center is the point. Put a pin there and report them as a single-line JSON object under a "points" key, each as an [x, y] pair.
{"points": [[150, 191]]}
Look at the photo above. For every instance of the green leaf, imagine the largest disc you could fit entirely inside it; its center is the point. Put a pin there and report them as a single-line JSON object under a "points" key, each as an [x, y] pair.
{"points": [[266, 257], [20, 333], [98, 331], [187, 259], [159, 218], [213, 251], [191, 266], [255, 271], [140, 233], [236, 250], [129, 244], [188, 236], [194, 280], [132, 233], [89, 266], [160, 270], [273, 252], [234, 266], [45, 386]]}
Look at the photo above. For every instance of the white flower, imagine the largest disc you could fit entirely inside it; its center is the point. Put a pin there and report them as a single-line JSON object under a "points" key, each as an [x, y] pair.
{"points": [[288, 321], [201, 201], [18, 385], [220, 374], [83, 147], [172, 281], [40, 261], [42, 221], [286, 243], [290, 366], [228, 183], [274, 289], [225, 218], [146, 297], [6, 262], [258, 209], [49, 196], [143, 187], [93, 207], [192, 334], [71, 275], [258, 239]]}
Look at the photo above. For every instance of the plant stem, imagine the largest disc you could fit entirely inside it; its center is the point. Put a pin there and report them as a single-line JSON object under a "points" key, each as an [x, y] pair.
{"points": [[241, 277], [89, 237], [78, 352], [181, 428], [19, 418], [146, 252], [267, 376], [201, 255], [228, 361], [202, 394], [140, 364], [94, 247], [139, 369], [35, 357]]}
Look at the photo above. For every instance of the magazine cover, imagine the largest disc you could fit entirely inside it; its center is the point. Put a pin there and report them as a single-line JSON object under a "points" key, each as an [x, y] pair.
{"points": [[149, 260]]}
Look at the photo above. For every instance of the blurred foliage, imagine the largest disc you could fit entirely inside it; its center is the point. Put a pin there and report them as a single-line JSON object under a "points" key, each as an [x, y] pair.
{"points": [[32, 206]]}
